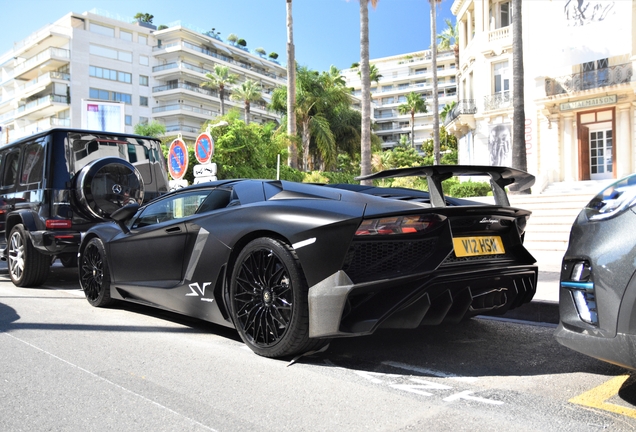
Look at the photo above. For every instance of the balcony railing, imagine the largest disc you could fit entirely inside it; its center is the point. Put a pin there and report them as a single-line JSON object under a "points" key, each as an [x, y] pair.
{"points": [[47, 77], [499, 34], [44, 55], [184, 107], [42, 101], [498, 101], [613, 75], [180, 65], [183, 128], [464, 106], [185, 86]]}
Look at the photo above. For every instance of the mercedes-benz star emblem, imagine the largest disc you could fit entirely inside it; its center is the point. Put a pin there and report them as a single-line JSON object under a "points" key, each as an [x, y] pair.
{"points": [[117, 189]]}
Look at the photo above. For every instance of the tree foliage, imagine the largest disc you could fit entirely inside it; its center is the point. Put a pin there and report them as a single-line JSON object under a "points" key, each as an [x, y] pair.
{"points": [[144, 17], [152, 129], [415, 103], [326, 123], [248, 91], [247, 150], [219, 79]]}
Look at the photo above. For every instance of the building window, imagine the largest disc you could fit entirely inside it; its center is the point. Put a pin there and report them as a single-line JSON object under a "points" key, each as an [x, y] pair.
{"points": [[420, 71], [143, 60], [143, 120], [110, 96], [128, 120], [102, 30], [143, 101], [142, 39], [124, 35], [387, 88], [110, 74], [501, 77], [143, 80], [500, 14], [111, 53]]}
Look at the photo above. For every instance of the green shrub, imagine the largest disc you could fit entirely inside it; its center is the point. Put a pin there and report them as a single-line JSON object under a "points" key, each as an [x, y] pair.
{"points": [[468, 189], [335, 177], [315, 177]]}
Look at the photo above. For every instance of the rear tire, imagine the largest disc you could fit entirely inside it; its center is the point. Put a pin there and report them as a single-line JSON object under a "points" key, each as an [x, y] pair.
{"points": [[28, 267], [94, 274], [269, 302]]}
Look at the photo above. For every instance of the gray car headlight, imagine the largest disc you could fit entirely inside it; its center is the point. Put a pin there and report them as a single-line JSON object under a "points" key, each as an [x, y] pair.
{"points": [[613, 200]]}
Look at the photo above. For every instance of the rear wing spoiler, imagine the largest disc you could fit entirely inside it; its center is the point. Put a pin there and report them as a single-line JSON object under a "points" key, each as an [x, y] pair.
{"points": [[500, 177]]}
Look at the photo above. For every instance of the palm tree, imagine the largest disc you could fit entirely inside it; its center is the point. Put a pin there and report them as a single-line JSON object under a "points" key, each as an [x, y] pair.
{"points": [[365, 150], [218, 80], [449, 40], [519, 158], [291, 89], [374, 73], [248, 91], [447, 110], [414, 104], [322, 111], [436, 146]]}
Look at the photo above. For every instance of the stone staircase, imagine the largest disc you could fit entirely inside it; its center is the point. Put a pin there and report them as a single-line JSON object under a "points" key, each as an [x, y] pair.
{"points": [[553, 212]]}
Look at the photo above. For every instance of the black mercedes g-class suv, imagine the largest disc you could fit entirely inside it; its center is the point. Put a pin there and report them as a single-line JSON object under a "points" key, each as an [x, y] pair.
{"points": [[56, 184]]}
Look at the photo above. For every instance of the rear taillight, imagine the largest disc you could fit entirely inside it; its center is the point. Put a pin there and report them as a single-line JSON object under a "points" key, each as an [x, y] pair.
{"points": [[394, 225], [58, 223]]}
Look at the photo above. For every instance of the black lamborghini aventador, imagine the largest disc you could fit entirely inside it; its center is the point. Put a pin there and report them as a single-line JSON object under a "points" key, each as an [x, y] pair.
{"points": [[290, 265]]}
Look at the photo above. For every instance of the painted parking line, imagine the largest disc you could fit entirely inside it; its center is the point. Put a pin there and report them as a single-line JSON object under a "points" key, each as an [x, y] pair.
{"points": [[597, 397]]}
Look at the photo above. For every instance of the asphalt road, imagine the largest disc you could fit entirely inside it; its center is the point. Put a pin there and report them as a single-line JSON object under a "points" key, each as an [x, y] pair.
{"points": [[66, 366]]}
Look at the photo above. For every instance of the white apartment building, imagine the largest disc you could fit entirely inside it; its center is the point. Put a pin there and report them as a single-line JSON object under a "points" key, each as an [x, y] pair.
{"points": [[400, 75], [578, 87], [130, 70]]}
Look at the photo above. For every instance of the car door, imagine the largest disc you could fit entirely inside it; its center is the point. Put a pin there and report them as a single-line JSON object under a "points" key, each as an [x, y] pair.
{"points": [[149, 260]]}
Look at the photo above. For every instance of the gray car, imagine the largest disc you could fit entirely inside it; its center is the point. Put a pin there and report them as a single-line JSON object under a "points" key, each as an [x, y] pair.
{"points": [[598, 284]]}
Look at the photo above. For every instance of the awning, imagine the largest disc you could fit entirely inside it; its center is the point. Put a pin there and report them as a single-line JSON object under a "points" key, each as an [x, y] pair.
{"points": [[222, 48]]}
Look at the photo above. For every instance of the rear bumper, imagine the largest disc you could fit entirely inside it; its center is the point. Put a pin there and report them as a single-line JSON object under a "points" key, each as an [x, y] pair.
{"points": [[338, 307], [56, 242]]}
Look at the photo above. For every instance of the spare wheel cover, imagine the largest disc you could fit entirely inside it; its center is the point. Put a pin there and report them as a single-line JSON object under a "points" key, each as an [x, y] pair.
{"points": [[107, 184]]}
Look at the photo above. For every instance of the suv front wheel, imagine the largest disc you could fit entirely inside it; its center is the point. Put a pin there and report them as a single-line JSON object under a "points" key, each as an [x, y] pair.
{"points": [[27, 266]]}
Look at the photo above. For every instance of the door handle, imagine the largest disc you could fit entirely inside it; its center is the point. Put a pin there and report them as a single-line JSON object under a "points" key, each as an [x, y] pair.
{"points": [[173, 230]]}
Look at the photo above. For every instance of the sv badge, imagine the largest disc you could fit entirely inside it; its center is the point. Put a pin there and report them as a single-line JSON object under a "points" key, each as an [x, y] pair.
{"points": [[199, 291]]}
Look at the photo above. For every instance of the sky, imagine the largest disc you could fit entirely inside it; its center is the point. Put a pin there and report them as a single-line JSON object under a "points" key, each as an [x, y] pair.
{"points": [[326, 32]]}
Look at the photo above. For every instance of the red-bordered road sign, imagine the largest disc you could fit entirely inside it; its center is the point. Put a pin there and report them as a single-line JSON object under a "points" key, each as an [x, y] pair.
{"points": [[204, 148], [177, 159]]}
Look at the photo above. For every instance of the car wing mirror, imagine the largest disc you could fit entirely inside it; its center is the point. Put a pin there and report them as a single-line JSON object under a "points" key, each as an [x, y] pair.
{"points": [[124, 214]]}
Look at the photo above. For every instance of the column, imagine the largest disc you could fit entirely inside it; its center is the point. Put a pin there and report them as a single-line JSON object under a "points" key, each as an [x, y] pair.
{"points": [[469, 20], [570, 153], [623, 142]]}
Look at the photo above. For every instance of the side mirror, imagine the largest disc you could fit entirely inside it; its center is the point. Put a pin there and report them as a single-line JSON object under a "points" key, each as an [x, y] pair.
{"points": [[123, 215]]}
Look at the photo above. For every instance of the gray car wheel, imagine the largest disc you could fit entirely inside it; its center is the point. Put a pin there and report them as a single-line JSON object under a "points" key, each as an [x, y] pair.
{"points": [[28, 267]]}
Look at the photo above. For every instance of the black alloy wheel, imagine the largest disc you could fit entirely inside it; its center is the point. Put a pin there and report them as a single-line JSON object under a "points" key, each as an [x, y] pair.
{"points": [[94, 274], [269, 299]]}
